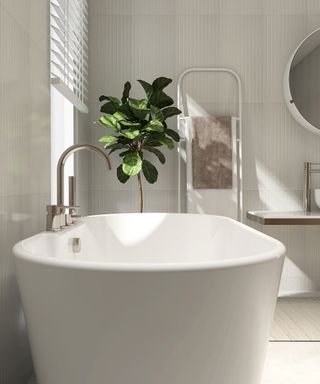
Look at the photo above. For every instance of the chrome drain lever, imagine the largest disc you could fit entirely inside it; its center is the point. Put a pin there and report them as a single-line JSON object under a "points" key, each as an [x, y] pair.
{"points": [[76, 244]]}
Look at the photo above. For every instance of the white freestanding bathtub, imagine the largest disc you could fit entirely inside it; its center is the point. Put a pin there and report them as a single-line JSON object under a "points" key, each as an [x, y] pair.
{"points": [[150, 299]]}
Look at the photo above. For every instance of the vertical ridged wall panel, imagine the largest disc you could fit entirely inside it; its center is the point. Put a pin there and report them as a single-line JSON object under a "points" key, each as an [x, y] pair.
{"points": [[24, 163]]}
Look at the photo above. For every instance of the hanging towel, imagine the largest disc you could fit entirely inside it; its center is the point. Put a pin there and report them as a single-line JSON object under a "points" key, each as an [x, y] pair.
{"points": [[211, 152]]}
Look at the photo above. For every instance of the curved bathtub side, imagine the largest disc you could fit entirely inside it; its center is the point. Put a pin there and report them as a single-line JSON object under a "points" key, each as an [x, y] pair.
{"points": [[182, 327]]}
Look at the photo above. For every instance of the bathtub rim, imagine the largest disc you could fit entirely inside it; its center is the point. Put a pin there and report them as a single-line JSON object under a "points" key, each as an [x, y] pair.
{"points": [[277, 252]]}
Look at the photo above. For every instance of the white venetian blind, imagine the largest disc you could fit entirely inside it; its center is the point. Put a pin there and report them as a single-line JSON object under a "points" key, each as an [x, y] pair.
{"points": [[69, 50]]}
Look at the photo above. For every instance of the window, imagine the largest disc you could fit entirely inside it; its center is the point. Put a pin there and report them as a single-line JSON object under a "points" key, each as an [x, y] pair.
{"points": [[62, 136]]}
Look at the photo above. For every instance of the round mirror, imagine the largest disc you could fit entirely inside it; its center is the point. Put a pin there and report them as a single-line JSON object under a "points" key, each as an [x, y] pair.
{"points": [[302, 82]]}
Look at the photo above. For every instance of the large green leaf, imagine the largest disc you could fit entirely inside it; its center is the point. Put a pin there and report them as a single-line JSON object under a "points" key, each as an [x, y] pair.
{"points": [[156, 152], [130, 124], [126, 91], [150, 172], [156, 113], [115, 147], [139, 104], [131, 134], [108, 140], [139, 108], [132, 164], [122, 177], [167, 142], [163, 140], [109, 108], [110, 122], [170, 111], [124, 140], [154, 126], [160, 83], [173, 134], [125, 121], [122, 154], [153, 143], [124, 108], [115, 100], [160, 99], [147, 87], [119, 116], [103, 98]]}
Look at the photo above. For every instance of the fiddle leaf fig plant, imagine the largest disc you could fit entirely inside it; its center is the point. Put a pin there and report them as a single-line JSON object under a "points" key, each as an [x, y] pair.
{"points": [[139, 125]]}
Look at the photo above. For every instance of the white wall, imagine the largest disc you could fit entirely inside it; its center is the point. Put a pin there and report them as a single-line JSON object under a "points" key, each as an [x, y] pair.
{"points": [[147, 38], [24, 162]]}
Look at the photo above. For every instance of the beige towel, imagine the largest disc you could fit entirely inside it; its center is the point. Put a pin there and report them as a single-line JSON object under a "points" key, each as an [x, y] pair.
{"points": [[211, 152]]}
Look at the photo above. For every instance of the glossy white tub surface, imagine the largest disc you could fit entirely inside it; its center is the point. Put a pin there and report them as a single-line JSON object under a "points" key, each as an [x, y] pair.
{"points": [[150, 299]]}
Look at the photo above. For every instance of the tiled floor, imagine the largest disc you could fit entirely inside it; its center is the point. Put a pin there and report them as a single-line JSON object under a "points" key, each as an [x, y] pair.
{"points": [[297, 319], [292, 363], [294, 352]]}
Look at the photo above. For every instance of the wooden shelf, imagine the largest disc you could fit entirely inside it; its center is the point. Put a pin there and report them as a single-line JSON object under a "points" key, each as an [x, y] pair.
{"points": [[284, 218]]}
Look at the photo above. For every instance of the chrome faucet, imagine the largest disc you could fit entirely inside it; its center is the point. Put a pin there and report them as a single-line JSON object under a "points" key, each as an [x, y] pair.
{"points": [[56, 216]]}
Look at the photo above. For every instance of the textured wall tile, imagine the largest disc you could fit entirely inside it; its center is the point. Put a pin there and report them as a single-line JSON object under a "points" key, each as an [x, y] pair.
{"points": [[271, 137], [313, 22], [24, 13], [24, 163], [285, 7], [155, 7], [313, 7], [128, 201], [242, 7], [281, 35]]}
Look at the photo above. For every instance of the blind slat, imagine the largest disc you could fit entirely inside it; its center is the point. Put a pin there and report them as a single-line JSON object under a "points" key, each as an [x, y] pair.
{"points": [[59, 43], [72, 21], [57, 58], [75, 40]]}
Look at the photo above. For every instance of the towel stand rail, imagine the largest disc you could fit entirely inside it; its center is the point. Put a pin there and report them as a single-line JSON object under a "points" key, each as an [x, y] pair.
{"points": [[239, 138]]}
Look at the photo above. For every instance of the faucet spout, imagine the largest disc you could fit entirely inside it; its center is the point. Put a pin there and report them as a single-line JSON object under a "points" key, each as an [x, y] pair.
{"points": [[62, 160]]}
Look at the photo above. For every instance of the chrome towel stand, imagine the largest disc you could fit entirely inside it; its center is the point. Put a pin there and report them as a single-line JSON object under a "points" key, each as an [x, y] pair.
{"points": [[239, 131]]}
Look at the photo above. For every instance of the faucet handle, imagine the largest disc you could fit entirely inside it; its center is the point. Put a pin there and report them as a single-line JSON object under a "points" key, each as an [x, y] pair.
{"points": [[54, 217], [68, 218]]}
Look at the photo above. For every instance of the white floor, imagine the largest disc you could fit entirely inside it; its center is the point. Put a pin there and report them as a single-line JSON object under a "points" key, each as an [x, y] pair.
{"points": [[292, 363]]}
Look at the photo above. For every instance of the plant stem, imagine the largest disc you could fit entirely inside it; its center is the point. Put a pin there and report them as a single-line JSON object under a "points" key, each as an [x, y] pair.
{"points": [[141, 192]]}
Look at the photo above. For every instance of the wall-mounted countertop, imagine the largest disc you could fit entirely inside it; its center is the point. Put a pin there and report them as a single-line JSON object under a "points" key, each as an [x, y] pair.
{"points": [[284, 218]]}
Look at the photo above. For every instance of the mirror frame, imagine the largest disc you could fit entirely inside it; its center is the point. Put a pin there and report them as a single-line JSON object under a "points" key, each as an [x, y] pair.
{"points": [[287, 92]]}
